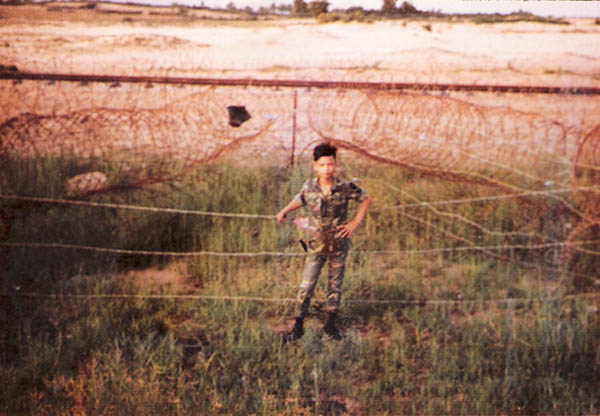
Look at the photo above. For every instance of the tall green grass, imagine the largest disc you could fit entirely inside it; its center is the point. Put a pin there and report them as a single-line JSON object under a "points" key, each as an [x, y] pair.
{"points": [[476, 334]]}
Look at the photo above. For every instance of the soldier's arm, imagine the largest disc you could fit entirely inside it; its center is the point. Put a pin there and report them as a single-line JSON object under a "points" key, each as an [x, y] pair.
{"points": [[346, 230], [293, 205]]}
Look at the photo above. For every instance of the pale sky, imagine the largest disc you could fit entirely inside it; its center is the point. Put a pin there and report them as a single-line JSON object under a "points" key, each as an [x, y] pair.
{"points": [[538, 7]]}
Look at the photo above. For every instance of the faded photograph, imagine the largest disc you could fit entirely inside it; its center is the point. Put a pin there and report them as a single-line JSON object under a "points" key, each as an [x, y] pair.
{"points": [[300, 207]]}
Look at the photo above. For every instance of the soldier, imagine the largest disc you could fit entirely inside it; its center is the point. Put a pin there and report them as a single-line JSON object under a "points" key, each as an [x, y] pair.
{"points": [[327, 234]]}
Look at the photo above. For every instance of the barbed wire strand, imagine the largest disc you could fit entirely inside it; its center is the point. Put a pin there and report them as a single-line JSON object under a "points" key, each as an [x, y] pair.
{"points": [[294, 254], [489, 198], [491, 232], [487, 249], [269, 217], [134, 207], [418, 302], [147, 252], [472, 223]]}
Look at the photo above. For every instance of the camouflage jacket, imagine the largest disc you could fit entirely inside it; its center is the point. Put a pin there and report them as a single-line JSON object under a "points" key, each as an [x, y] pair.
{"points": [[326, 212]]}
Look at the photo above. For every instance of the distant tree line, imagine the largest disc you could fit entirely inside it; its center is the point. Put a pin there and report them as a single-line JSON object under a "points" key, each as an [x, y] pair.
{"points": [[298, 8], [320, 9], [304, 8], [315, 8]]}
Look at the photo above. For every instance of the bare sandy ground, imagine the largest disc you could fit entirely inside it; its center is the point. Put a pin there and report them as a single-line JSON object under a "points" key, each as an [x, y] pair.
{"points": [[403, 51], [34, 38]]}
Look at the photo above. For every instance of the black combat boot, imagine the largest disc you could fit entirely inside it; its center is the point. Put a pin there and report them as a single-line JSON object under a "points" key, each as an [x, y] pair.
{"points": [[330, 329], [296, 332]]}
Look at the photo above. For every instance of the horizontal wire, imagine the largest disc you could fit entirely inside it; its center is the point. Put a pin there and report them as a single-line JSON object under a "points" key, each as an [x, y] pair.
{"points": [[293, 254], [133, 207], [284, 300], [497, 247], [266, 216], [149, 253], [147, 296], [491, 198]]}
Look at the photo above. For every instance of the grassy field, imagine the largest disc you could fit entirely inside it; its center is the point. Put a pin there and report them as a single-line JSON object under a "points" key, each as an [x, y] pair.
{"points": [[463, 331]]}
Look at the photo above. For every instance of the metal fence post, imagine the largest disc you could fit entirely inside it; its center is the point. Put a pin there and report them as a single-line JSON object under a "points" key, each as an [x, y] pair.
{"points": [[294, 128]]}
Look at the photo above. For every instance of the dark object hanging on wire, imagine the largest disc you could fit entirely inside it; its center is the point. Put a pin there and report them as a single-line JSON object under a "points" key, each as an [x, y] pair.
{"points": [[237, 115]]}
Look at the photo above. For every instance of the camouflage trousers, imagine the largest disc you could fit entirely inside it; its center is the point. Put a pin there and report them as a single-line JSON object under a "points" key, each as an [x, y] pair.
{"points": [[312, 268]]}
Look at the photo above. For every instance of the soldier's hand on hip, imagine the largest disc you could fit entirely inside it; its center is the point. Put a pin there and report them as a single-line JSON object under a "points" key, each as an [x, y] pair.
{"points": [[346, 230]]}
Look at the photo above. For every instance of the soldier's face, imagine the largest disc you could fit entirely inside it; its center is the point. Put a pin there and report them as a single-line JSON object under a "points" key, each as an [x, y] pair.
{"points": [[325, 167]]}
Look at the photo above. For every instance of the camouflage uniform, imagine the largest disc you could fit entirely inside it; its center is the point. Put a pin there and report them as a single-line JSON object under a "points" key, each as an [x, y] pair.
{"points": [[322, 240]]}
